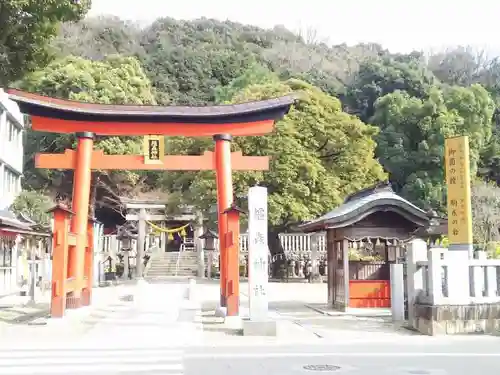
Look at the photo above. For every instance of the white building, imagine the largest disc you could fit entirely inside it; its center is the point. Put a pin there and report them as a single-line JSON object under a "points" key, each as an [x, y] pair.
{"points": [[11, 150]]}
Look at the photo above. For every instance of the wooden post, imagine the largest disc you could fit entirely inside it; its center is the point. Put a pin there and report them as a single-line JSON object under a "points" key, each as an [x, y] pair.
{"points": [[31, 245], [233, 260], [344, 246], [15, 261], [126, 264], [43, 265], [88, 272], [141, 238], [224, 201], [59, 260], [80, 204], [198, 231]]}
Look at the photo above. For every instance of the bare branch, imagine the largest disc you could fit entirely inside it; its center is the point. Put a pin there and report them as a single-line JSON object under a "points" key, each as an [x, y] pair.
{"points": [[486, 213]]}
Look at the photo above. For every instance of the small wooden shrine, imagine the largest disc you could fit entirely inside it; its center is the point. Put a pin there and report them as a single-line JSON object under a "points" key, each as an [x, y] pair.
{"points": [[364, 236], [19, 246]]}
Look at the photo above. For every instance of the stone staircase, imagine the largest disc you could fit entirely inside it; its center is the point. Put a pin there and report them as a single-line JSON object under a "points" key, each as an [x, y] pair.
{"points": [[181, 264]]}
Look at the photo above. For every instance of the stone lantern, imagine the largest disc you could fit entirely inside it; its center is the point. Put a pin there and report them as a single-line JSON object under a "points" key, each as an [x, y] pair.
{"points": [[125, 235], [209, 238]]}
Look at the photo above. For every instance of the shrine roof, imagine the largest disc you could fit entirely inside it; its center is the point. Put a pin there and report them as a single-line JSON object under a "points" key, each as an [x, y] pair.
{"points": [[437, 227], [47, 107], [9, 220], [357, 206]]}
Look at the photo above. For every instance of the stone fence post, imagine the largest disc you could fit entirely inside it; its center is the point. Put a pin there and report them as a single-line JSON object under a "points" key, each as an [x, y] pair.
{"points": [[417, 252]]}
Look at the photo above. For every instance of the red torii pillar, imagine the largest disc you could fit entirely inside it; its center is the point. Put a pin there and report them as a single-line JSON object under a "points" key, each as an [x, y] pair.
{"points": [[69, 291], [224, 178], [80, 205], [232, 243]]}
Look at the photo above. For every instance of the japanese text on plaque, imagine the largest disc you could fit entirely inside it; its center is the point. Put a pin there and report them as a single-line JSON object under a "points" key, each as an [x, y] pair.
{"points": [[154, 149]]}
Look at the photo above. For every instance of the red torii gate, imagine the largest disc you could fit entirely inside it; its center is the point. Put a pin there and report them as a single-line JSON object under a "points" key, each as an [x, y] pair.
{"points": [[87, 120]]}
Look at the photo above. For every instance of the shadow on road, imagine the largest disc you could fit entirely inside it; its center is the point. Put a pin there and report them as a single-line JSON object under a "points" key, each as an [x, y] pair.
{"points": [[24, 314]]}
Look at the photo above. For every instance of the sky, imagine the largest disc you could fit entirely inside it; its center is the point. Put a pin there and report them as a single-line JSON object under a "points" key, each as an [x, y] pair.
{"points": [[400, 25]]}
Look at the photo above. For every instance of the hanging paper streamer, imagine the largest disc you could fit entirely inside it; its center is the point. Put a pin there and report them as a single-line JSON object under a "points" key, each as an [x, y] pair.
{"points": [[183, 232], [170, 236], [378, 242]]}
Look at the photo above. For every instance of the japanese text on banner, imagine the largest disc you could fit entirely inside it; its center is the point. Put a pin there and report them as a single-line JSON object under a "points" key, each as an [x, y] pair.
{"points": [[459, 190]]}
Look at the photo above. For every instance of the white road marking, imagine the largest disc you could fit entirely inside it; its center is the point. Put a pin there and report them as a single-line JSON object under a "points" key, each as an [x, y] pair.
{"points": [[77, 361]]}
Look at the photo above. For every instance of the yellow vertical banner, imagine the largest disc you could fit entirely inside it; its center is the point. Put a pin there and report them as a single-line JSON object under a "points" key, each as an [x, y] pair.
{"points": [[154, 149], [459, 190]]}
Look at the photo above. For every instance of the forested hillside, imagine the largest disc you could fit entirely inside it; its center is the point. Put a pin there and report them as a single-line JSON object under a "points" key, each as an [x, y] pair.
{"points": [[363, 114]]}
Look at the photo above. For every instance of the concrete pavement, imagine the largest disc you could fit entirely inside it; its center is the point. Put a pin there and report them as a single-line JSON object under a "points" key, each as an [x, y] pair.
{"points": [[292, 306], [32, 324], [138, 330], [116, 315], [155, 314]]}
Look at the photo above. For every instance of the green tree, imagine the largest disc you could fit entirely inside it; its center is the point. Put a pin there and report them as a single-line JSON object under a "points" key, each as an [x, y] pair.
{"points": [[34, 204], [186, 60], [410, 144], [319, 154], [115, 80], [26, 28], [489, 165], [378, 77], [95, 38], [255, 74]]}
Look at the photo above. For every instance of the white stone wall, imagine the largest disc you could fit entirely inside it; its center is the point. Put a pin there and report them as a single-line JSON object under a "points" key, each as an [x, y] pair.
{"points": [[11, 150]]}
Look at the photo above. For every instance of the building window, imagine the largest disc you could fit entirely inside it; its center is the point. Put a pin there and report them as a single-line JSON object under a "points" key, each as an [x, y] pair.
{"points": [[12, 132], [10, 181], [6, 253]]}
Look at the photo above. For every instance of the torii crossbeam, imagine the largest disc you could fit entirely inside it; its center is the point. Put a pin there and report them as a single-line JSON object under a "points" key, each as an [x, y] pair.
{"points": [[154, 122], [204, 162]]}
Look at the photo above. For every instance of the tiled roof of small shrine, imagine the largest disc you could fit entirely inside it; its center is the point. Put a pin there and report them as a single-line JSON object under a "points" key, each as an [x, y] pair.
{"points": [[365, 202], [9, 219]]}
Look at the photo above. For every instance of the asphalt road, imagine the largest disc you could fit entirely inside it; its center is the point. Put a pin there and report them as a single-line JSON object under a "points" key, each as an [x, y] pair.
{"points": [[461, 356]]}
